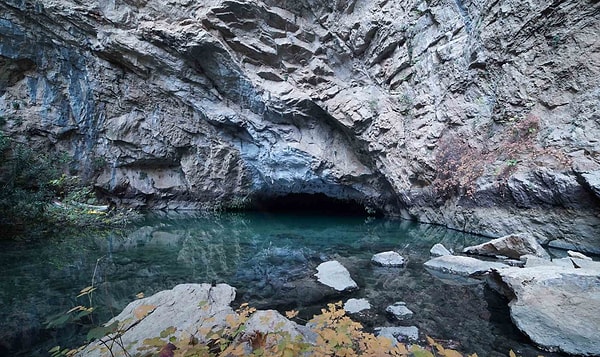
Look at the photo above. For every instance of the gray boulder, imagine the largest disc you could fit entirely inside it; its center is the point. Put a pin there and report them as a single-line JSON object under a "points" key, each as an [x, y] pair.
{"points": [[388, 259], [336, 276], [399, 311], [557, 307], [512, 246], [353, 306], [187, 307], [464, 266], [439, 250], [398, 333]]}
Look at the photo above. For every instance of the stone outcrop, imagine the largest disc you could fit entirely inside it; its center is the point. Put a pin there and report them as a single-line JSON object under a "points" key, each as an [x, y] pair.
{"points": [[557, 307], [481, 116], [512, 246]]}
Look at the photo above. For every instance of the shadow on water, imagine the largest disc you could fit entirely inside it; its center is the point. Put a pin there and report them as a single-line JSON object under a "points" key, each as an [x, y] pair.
{"points": [[269, 258]]}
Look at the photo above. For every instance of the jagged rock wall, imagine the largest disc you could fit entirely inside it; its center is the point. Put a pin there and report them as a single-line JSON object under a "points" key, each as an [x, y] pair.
{"points": [[479, 115]]}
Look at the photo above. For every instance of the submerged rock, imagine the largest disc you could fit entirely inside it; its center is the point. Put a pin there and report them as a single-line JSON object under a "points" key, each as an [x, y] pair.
{"points": [[459, 265], [557, 307], [512, 246], [336, 276], [388, 259]]}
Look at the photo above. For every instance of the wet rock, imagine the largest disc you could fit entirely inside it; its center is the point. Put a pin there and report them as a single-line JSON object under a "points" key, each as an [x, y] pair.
{"points": [[439, 250], [399, 333], [399, 311], [336, 276], [353, 306], [557, 307], [513, 246], [388, 259], [465, 266]]}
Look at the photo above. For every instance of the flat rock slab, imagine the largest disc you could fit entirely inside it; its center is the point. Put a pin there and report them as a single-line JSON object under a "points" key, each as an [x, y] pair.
{"points": [[388, 259], [353, 306], [512, 246], [336, 276], [557, 307], [464, 266]]}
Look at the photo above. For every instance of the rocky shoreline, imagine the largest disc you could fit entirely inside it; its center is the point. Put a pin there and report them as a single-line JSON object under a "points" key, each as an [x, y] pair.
{"points": [[553, 301]]}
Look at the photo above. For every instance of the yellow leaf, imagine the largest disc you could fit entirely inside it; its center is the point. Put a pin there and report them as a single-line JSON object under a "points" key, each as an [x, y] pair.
{"points": [[86, 291], [291, 314], [512, 354], [142, 311], [452, 353], [139, 296], [76, 308]]}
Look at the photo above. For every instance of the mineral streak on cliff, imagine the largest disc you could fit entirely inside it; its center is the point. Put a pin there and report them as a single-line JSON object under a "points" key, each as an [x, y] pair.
{"points": [[483, 116]]}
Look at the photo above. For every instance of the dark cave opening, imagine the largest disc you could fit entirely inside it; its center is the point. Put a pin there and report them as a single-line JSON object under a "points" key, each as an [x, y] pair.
{"points": [[312, 203]]}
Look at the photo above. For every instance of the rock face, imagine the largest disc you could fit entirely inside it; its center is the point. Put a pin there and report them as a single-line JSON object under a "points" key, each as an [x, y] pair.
{"points": [[557, 307], [478, 116], [512, 246]]}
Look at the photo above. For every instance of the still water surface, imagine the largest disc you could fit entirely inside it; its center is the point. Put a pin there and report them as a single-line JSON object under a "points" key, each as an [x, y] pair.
{"points": [[268, 258]]}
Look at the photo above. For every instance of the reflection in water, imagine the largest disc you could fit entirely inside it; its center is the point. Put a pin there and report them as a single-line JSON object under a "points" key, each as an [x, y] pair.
{"points": [[269, 258]]}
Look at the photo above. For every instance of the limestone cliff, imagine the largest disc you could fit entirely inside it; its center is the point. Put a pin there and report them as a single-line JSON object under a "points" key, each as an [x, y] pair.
{"points": [[480, 115]]}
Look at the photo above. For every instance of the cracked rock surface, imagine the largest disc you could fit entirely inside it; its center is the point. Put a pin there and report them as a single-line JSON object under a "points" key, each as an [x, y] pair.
{"points": [[479, 115]]}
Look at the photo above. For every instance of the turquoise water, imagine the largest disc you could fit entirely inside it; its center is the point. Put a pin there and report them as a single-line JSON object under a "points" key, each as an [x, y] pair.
{"points": [[264, 256]]}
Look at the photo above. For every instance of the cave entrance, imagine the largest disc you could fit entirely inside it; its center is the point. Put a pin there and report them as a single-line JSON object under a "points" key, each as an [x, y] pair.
{"points": [[311, 203]]}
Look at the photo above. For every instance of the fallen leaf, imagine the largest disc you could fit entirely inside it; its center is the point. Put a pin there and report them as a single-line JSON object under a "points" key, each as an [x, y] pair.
{"points": [[143, 310]]}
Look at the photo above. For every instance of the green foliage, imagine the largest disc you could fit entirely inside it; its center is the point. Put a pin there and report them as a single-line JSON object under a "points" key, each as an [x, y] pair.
{"points": [[36, 194]]}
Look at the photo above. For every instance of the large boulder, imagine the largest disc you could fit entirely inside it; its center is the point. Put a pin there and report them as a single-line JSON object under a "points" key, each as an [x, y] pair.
{"points": [[464, 266], [557, 307], [185, 309], [512, 246], [336, 276]]}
